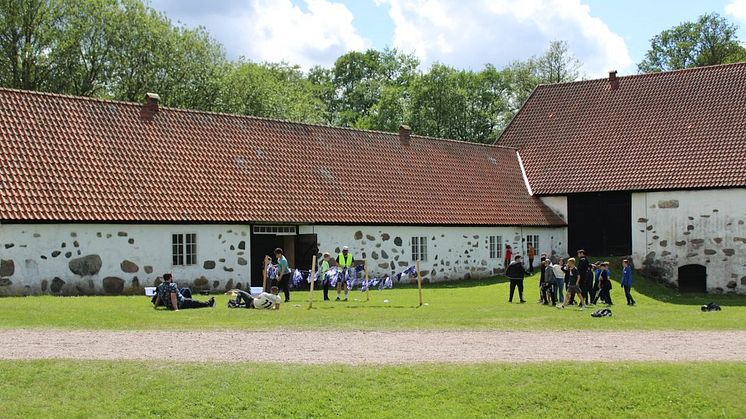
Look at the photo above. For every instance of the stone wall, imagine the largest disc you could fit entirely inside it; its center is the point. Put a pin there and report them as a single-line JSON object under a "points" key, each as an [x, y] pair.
{"points": [[453, 252], [84, 259], [677, 228]]}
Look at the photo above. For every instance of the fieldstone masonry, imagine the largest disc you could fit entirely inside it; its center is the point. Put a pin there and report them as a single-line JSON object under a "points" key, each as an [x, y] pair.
{"points": [[86, 259], [692, 227], [453, 253]]}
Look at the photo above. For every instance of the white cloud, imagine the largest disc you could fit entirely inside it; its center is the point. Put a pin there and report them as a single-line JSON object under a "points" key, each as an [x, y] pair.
{"points": [[471, 34], [275, 30], [736, 9]]}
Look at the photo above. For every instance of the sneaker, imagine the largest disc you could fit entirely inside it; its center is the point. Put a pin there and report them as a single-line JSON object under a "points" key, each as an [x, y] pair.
{"points": [[581, 308], [561, 307], [345, 299], [337, 299], [327, 299], [523, 301]]}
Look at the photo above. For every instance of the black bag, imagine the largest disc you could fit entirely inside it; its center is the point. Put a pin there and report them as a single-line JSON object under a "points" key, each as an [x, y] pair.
{"points": [[605, 312], [711, 307]]}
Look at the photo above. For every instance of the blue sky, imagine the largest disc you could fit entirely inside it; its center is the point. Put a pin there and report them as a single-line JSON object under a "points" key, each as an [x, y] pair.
{"points": [[603, 34]]}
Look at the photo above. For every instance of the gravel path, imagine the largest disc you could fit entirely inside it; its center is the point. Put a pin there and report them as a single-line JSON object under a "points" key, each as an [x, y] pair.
{"points": [[374, 347]]}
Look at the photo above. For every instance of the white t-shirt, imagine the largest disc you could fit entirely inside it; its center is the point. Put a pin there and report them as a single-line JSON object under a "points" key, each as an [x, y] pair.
{"points": [[558, 273], [266, 300]]}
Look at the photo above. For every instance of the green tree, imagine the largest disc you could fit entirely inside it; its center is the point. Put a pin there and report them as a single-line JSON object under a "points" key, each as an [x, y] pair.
{"points": [[28, 30], [271, 90], [360, 79], [556, 65], [710, 40], [459, 104]]}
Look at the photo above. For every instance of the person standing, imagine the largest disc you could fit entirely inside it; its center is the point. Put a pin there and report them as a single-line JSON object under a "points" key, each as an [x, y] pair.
{"points": [[516, 273], [627, 282], [586, 276], [542, 281], [604, 284], [559, 280], [508, 256], [325, 265], [531, 253], [573, 278], [548, 291], [344, 261], [283, 274]]}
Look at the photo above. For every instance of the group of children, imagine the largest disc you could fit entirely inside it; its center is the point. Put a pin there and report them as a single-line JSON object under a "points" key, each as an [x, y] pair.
{"points": [[589, 282]]}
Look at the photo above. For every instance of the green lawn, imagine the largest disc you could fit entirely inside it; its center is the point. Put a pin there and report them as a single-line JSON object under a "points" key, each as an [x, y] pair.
{"points": [[136, 389], [459, 305]]}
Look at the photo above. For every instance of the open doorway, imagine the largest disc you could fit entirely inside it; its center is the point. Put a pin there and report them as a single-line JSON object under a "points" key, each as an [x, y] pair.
{"points": [[298, 248], [693, 278]]}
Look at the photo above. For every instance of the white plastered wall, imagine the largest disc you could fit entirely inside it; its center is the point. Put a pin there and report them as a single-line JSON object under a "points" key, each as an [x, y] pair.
{"points": [[33, 255], [452, 252], [676, 228]]}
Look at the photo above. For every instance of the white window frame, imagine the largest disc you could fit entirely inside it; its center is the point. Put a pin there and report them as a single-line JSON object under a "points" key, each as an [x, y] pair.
{"points": [[495, 245], [183, 249], [419, 248], [533, 240], [278, 230]]}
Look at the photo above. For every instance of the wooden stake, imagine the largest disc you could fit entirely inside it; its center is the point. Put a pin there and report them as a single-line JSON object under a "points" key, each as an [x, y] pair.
{"points": [[367, 290], [312, 277], [264, 274], [419, 281]]}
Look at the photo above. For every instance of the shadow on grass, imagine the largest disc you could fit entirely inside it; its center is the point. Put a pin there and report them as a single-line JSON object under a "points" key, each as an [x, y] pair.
{"points": [[664, 293]]}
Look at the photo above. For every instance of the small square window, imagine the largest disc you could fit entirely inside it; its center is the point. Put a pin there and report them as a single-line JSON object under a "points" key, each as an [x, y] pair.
{"points": [[419, 248], [184, 249]]}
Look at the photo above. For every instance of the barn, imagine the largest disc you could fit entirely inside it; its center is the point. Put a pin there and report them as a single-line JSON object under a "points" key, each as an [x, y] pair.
{"points": [[650, 165]]}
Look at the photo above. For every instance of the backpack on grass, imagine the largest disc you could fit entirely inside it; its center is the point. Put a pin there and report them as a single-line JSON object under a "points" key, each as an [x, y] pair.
{"points": [[711, 307], [605, 312]]}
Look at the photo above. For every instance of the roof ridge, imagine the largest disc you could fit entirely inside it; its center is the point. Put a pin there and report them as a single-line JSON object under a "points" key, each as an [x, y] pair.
{"points": [[254, 117], [644, 75]]}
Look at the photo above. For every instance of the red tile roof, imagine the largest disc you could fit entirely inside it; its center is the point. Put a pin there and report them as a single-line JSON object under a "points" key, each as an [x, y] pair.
{"points": [[676, 130], [78, 159]]}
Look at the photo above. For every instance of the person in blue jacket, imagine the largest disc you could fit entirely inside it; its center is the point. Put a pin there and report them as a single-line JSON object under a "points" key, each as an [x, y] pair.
{"points": [[627, 282]]}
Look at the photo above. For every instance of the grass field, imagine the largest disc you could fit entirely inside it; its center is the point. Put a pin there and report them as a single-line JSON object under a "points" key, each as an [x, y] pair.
{"points": [[134, 389], [62, 388], [463, 305]]}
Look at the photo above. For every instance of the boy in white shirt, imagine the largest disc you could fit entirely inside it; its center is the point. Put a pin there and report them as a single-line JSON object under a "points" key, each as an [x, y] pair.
{"points": [[264, 301]]}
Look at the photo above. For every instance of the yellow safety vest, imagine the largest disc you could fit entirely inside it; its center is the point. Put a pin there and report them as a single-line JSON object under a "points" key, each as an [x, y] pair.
{"points": [[345, 263]]}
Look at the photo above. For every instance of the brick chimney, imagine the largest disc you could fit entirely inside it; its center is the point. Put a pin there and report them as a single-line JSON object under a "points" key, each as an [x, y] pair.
{"points": [[404, 132], [613, 80], [151, 102]]}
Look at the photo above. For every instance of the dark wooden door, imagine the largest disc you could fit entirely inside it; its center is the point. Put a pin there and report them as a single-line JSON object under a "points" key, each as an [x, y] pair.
{"points": [[600, 223]]}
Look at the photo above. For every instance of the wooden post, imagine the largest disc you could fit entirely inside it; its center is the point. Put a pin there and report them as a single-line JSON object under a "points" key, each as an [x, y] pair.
{"points": [[419, 281], [312, 278], [264, 273], [367, 290]]}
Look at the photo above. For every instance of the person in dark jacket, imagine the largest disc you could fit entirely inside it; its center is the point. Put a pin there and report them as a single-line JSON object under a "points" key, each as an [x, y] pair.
{"points": [[586, 276], [516, 273], [627, 282]]}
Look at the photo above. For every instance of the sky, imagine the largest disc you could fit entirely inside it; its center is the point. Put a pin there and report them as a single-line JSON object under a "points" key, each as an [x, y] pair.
{"points": [[604, 34]]}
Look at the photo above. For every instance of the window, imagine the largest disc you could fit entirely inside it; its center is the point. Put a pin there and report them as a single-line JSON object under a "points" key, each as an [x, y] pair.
{"points": [[278, 230], [533, 240], [419, 248], [184, 249], [495, 245]]}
